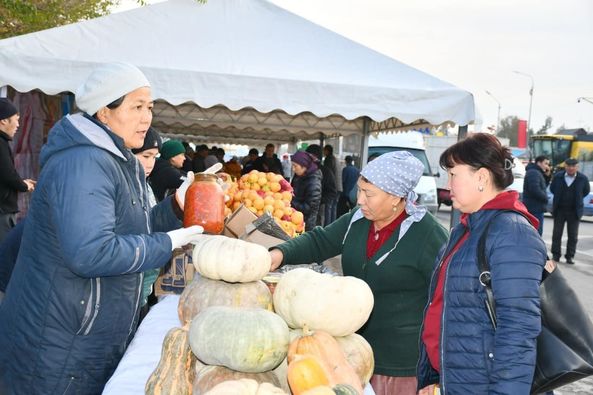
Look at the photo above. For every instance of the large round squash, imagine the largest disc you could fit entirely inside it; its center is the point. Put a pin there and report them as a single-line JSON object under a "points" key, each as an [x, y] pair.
{"points": [[329, 355], [245, 387], [359, 355], [203, 292], [242, 339], [210, 376], [230, 260], [334, 304]]}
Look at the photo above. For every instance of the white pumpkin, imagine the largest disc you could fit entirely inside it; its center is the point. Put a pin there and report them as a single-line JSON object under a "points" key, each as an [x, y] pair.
{"points": [[242, 339], [337, 305], [245, 387], [230, 260]]}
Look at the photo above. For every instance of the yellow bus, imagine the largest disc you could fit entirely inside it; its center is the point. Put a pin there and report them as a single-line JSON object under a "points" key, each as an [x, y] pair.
{"points": [[574, 143]]}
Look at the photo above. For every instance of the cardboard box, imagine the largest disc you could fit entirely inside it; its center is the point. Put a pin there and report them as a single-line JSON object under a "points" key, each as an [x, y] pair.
{"points": [[240, 226]]}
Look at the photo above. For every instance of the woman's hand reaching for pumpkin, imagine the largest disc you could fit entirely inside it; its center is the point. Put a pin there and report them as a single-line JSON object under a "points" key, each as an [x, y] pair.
{"points": [[277, 258]]}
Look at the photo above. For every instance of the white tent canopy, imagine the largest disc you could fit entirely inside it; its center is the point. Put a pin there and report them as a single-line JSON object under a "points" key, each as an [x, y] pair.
{"points": [[238, 71]]}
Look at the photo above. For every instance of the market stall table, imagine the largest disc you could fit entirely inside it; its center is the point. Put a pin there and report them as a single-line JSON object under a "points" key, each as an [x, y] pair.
{"points": [[144, 352]]}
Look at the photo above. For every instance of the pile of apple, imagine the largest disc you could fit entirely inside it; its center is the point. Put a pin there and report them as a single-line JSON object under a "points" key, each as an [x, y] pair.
{"points": [[266, 192]]}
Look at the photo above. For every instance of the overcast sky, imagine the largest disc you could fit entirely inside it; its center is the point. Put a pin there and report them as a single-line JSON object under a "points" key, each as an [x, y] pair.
{"points": [[477, 44]]}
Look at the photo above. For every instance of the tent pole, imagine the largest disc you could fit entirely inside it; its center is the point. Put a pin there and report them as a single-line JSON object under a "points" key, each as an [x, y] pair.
{"points": [[456, 214], [364, 154]]}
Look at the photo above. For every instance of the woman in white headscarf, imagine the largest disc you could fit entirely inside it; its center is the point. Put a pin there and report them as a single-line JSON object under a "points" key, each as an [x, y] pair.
{"points": [[390, 243], [73, 300]]}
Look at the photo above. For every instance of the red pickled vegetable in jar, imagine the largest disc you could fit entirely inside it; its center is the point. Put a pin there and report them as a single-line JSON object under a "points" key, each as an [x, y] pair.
{"points": [[204, 204]]}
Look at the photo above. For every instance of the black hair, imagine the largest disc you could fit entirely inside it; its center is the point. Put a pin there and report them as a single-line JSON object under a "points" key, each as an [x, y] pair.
{"points": [[541, 158], [253, 151], [348, 159], [481, 150], [330, 149], [316, 150], [113, 105]]}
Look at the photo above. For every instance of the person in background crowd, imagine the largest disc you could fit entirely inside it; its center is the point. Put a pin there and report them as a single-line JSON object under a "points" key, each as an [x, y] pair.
{"points": [[198, 162], [233, 168], [146, 155], [329, 190], [535, 197], [249, 164], [569, 187], [378, 243], [167, 176], [349, 177], [72, 303], [188, 164], [268, 161], [9, 251], [212, 157], [331, 164], [286, 166], [220, 155], [306, 184], [10, 181], [460, 349]]}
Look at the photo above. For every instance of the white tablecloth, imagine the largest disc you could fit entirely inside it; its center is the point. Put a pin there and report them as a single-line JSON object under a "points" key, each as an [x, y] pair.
{"points": [[144, 352]]}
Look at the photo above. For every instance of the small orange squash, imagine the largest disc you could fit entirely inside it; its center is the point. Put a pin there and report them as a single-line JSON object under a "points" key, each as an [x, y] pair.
{"points": [[330, 355], [304, 373], [175, 372]]}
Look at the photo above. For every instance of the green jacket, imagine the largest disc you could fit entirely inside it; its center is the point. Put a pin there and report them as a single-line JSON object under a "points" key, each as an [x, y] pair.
{"points": [[399, 284]]}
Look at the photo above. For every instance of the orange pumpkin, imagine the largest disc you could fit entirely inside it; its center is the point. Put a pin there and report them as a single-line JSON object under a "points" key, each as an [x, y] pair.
{"points": [[330, 355], [304, 373]]}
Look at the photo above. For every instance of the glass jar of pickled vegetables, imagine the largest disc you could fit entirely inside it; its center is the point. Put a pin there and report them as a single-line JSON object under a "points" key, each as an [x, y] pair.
{"points": [[204, 204]]}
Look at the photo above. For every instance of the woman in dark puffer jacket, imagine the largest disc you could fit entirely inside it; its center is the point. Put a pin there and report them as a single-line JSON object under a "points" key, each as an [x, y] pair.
{"points": [[307, 186], [459, 348]]}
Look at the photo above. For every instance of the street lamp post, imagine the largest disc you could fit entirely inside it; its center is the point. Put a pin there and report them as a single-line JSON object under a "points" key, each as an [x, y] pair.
{"points": [[498, 116], [530, 101]]}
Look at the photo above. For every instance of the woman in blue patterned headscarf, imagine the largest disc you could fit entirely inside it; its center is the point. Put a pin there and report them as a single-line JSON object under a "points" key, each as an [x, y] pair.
{"points": [[391, 243]]}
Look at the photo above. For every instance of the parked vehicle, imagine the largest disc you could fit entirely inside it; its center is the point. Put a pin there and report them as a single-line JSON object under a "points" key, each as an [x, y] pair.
{"points": [[412, 142]]}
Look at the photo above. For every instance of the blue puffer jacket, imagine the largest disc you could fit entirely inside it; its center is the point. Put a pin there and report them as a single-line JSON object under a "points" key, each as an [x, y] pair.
{"points": [[474, 358], [73, 299]]}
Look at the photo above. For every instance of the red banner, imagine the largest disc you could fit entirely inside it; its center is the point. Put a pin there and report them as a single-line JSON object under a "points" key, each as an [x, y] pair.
{"points": [[522, 134]]}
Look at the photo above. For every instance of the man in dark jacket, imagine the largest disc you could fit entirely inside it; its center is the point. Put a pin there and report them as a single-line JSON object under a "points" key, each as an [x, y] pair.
{"points": [[10, 181], [569, 188], [329, 190], [268, 161], [535, 197]]}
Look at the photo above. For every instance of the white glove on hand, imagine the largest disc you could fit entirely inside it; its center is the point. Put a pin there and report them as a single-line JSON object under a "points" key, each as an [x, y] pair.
{"points": [[183, 236], [180, 194]]}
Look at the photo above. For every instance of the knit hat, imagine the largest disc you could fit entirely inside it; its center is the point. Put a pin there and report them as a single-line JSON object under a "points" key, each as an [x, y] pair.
{"points": [[107, 83], [172, 148], [151, 140], [305, 159], [7, 109]]}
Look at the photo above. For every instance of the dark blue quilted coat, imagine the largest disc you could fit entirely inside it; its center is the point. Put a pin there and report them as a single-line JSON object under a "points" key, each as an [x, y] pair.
{"points": [[72, 302], [475, 359]]}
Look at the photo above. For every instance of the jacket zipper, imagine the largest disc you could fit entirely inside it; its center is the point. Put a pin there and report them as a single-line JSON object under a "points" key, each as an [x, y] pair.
{"points": [[443, 320], [89, 309], [139, 293], [97, 305], [68, 386]]}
